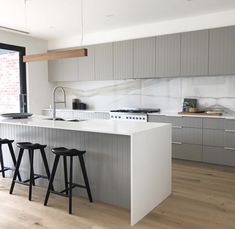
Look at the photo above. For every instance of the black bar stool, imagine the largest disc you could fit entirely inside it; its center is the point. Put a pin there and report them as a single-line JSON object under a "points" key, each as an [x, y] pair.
{"points": [[4, 168], [69, 185], [30, 147]]}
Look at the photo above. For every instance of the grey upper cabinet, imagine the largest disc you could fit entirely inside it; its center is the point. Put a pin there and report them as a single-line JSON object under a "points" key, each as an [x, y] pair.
{"points": [[168, 55], [222, 51], [123, 59], [63, 70], [195, 53], [104, 62], [86, 69], [145, 58]]}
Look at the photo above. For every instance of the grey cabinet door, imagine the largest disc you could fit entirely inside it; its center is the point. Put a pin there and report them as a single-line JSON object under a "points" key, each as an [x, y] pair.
{"points": [[145, 58], [192, 122], [63, 70], [123, 60], [168, 55], [187, 152], [104, 62], [222, 51], [55, 70], [195, 53], [221, 156], [214, 123], [213, 137], [86, 66], [70, 69]]}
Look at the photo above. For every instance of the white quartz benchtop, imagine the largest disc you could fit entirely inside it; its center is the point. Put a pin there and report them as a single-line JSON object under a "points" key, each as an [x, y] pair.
{"points": [[96, 126]]}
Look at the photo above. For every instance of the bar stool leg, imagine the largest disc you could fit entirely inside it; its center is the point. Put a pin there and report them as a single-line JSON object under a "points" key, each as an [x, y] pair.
{"points": [[31, 181], [44, 158], [70, 184], [13, 158], [52, 178], [16, 170], [85, 177], [1, 161], [65, 175], [31, 156]]}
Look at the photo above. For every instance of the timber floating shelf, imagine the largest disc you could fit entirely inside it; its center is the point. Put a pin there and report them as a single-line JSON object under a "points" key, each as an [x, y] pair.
{"points": [[56, 55]]}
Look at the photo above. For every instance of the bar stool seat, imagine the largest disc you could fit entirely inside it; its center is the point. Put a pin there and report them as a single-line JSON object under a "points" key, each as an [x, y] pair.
{"points": [[10, 147], [31, 148], [62, 151], [69, 185], [6, 141]]}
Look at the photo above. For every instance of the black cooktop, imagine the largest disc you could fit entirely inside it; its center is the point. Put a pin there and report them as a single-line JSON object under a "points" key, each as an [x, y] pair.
{"points": [[137, 110]]}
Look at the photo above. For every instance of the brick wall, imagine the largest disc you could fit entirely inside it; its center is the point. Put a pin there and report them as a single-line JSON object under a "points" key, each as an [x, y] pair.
{"points": [[9, 82]]}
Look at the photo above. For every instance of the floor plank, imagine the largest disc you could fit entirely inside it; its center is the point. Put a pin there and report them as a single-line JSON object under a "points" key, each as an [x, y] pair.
{"points": [[203, 197]]}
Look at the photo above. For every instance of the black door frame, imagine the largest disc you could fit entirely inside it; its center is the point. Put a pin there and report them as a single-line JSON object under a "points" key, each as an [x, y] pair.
{"points": [[22, 67]]}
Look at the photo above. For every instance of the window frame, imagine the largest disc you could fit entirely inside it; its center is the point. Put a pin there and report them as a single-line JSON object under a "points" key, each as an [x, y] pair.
{"points": [[23, 79]]}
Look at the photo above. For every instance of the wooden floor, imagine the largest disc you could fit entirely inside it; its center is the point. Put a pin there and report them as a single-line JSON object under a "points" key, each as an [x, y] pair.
{"points": [[203, 197]]}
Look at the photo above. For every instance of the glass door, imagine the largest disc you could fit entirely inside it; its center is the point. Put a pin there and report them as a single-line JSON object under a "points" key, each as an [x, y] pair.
{"points": [[12, 79]]}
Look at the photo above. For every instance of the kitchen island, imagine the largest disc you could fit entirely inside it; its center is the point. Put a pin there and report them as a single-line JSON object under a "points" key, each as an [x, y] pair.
{"points": [[128, 163]]}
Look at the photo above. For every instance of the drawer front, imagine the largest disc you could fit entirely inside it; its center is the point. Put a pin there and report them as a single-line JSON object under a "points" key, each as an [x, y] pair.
{"points": [[213, 137], [192, 122], [229, 124], [187, 152], [229, 139], [221, 156], [214, 123], [175, 121], [187, 135], [156, 118], [192, 135]]}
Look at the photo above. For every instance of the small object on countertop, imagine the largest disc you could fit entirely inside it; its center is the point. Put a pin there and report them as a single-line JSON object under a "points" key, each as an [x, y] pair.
{"points": [[214, 113], [201, 113], [192, 110], [75, 104], [189, 103], [82, 106], [16, 115]]}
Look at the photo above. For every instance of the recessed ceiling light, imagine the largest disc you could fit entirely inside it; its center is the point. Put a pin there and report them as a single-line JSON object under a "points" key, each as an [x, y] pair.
{"points": [[109, 15]]}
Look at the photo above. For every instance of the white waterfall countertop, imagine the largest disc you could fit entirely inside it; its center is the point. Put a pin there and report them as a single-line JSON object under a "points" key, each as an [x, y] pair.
{"points": [[95, 126]]}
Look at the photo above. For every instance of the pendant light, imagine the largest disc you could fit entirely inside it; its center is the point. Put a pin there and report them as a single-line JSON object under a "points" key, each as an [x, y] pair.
{"points": [[82, 52]]}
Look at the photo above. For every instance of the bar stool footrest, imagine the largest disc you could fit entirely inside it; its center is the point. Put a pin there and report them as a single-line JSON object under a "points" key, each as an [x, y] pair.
{"points": [[73, 186], [36, 176], [7, 168]]}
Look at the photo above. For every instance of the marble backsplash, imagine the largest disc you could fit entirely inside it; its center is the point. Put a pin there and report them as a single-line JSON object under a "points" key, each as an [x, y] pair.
{"points": [[166, 94]]}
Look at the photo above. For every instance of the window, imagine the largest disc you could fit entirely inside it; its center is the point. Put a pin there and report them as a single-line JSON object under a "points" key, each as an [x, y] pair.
{"points": [[12, 79]]}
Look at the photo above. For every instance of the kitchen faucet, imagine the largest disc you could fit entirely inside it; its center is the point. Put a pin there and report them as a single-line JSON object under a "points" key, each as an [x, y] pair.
{"points": [[54, 102]]}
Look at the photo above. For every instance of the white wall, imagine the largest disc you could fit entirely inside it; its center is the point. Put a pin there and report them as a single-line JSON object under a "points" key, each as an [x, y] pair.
{"points": [[38, 88]]}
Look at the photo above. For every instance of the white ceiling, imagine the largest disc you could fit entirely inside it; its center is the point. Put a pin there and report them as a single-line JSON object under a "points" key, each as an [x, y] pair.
{"points": [[55, 19]]}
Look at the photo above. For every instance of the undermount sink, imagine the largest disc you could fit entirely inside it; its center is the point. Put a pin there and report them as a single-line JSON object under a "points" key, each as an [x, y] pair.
{"points": [[65, 120]]}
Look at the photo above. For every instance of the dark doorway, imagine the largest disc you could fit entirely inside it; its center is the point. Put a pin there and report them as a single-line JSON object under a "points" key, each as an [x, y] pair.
{"points": [[13, 91]]}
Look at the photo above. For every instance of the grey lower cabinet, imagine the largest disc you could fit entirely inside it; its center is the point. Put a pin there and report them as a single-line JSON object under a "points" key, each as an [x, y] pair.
{"points": [[187, 151], [104, 61], [195, 53], [186, 136], [219, 155], [145, 57], [123, 60], [86, 69], [63, 70], [222, 51], [210, 140], [168, 55]]}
